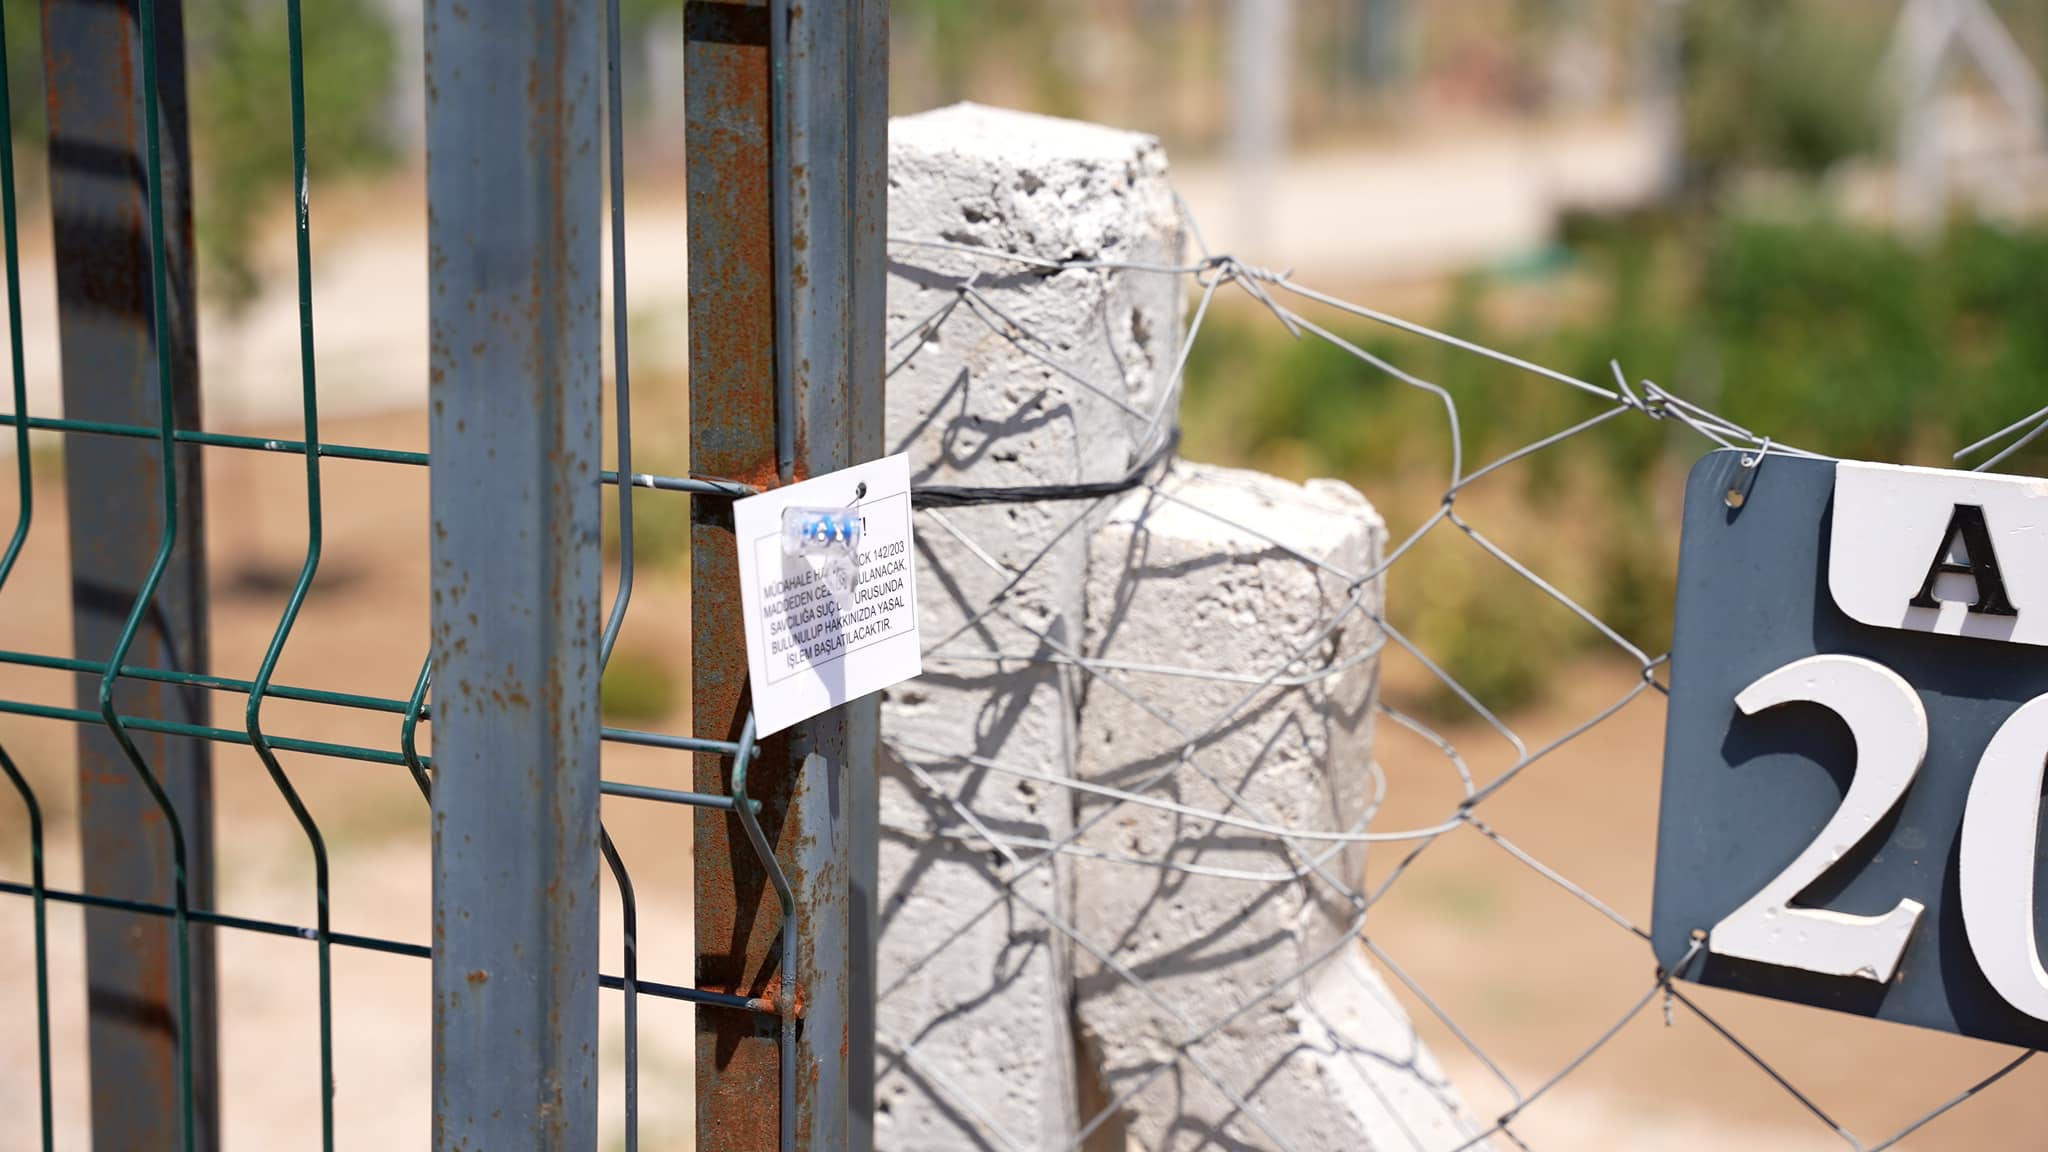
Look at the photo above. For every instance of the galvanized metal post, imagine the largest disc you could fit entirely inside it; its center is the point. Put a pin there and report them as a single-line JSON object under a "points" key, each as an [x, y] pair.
{"points": [[787, 117], [99, 188], [867, 133], [513, 181]]}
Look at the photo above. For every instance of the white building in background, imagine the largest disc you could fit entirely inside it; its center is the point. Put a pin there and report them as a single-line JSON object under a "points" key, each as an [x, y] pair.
{"points": [[1957, 141]]}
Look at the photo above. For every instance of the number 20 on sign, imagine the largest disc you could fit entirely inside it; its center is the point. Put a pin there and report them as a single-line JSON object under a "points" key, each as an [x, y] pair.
{"points": [[1858, 727]]}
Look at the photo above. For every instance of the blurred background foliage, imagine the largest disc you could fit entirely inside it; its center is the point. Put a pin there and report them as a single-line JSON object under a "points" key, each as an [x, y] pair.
{"points": [[1836, 337], [241, 118], [1772, 84], [1748, 291], [1748, 287], [238, 85]]}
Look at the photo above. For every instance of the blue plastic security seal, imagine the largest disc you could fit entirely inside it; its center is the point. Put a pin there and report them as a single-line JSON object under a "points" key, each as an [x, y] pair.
{"points": [[829, 535]]}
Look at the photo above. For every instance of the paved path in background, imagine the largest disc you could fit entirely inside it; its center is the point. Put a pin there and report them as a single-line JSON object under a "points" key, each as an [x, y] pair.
{"points": [[1423, 210], [1405, 212], [370, 320]]}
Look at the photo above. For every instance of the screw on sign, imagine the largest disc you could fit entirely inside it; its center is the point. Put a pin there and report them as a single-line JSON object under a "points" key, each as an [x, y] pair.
{"points": [[1859, 724]]}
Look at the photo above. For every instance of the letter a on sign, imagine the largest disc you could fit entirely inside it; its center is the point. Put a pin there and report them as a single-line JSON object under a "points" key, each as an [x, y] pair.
{"points": [[1930, 550], [1981, 563]]}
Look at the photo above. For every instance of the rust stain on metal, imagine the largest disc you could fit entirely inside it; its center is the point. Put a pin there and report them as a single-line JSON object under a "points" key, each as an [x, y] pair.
{"points": [[732, 434]]}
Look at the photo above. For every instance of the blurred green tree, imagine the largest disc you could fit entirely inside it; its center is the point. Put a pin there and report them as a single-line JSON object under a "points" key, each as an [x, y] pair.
{"points": [[241, 117], [959, 37], [24, 26], [1779, 85]]}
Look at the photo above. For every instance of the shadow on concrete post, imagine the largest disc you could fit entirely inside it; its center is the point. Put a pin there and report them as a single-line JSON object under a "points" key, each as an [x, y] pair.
{"points": [[1019, 1001], [973, 979]]}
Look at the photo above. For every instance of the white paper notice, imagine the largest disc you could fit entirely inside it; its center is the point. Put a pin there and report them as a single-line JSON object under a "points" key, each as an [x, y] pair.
{"points": [[813, 644]]}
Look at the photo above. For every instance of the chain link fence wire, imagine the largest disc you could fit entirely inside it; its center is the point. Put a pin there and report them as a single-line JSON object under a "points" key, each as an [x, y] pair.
{"points": [[1303, 856]]}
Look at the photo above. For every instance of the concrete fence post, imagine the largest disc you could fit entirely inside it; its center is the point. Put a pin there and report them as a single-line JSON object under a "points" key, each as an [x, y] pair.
{"points": [[1222, 569], [974, 983], [997, 1027]]}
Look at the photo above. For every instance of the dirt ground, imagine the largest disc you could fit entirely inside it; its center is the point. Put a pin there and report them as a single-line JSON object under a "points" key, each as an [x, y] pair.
{"points": [[1535, 975]]}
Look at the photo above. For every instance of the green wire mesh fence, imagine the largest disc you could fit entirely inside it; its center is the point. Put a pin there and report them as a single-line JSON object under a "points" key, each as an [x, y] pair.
{"points": [[83, 43], [145, 679]]}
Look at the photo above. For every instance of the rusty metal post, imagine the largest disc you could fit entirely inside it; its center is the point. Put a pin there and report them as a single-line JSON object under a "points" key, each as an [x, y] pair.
{"points": [[787, 113], [99, 173], [514, 166]]}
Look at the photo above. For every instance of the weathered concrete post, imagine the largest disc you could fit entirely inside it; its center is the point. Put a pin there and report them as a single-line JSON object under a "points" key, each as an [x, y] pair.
{"points": [[1221, 570], [996, 1029], [974, 983]]}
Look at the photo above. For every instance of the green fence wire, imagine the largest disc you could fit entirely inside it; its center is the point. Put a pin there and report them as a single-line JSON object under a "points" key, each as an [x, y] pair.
{"points": [[262, 688], [24, 485]]}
